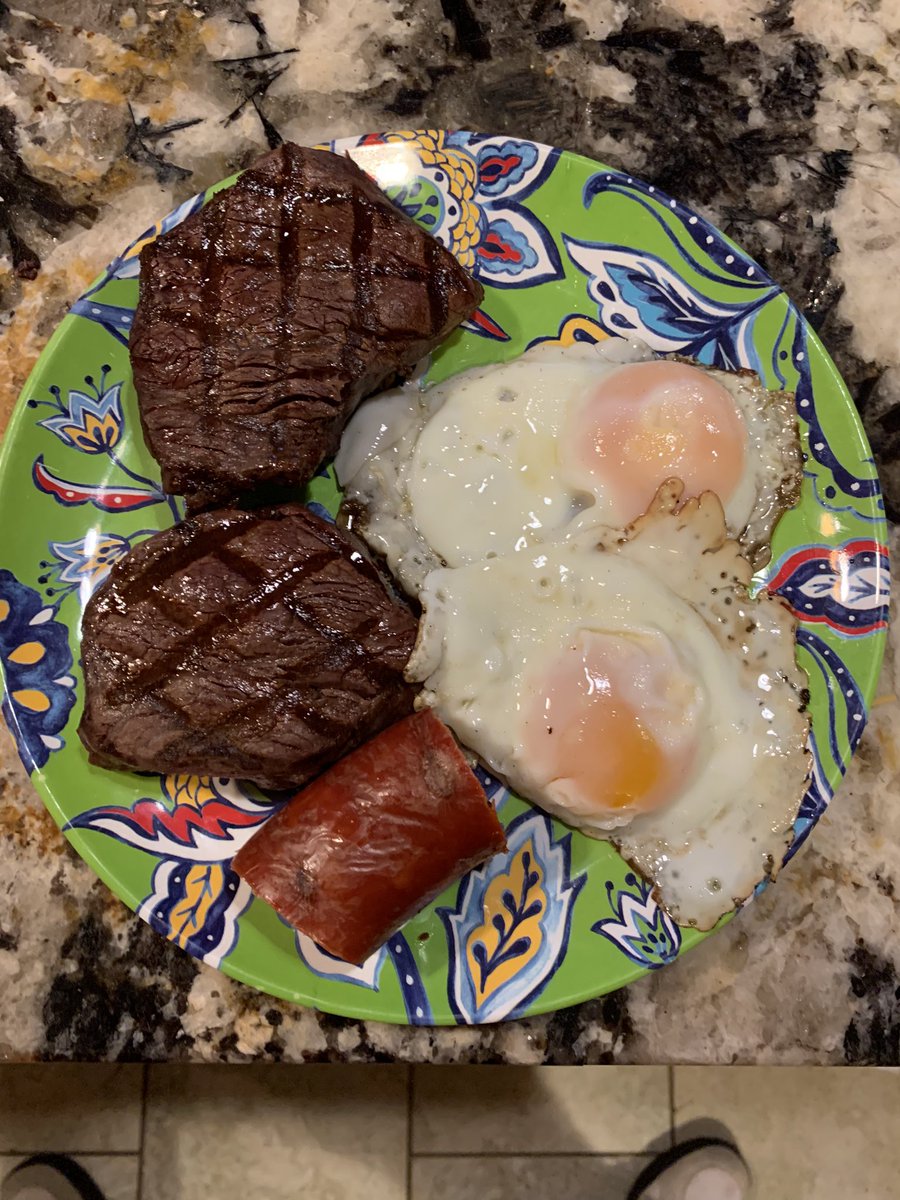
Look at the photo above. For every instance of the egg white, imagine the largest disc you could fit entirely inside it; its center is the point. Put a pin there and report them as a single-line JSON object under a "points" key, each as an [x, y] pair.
{"points": [[489, 629], [471, 468]]}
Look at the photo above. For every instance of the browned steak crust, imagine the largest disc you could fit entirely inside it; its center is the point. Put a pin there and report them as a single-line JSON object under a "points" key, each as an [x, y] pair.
{"points": [[266, 317], [262, 645]]}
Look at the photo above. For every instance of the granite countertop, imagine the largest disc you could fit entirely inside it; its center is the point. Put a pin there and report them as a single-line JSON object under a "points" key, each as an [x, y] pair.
{"points": [[778, 119]]}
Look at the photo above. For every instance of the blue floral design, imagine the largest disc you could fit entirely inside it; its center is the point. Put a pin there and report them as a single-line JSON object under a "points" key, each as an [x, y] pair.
{"points": [[732, 265], [845, 700], [640, 293], [421, 201], [412, 986], [82, 564], [193, 826], [826, 495], [858, 488], [197, 906], [637, 293], [817, 798], [509, 929], [368, 974], [642, 930], [818, 794], [93, 422], [192, 818], [502, 166], [114, 318], [845, 588], [328, 966], [39, 690], [90, 423], [483, 216], [506, 250]]}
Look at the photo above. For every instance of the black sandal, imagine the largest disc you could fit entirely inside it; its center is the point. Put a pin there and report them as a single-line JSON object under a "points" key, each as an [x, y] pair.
{"points": [[57, 1174], [668, 1158]]}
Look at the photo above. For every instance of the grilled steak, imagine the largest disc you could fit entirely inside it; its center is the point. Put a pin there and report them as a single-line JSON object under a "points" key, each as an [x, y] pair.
{"points": [[268, 315], [262, 645]]}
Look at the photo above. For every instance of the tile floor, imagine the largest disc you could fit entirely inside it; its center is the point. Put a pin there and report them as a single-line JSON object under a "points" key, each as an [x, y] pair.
{"points": [[446, 1133]]}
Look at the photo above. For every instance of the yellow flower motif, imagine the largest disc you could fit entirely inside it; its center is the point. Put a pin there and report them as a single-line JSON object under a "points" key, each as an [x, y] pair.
{"points": [[191, 790], [462, 180], [32, 699], [203, 883], [36, 660], [27, 654], [96, 435], [134, 250], [576, 329], [87, 561], [429, 143], [510, 936], [91, 423]]}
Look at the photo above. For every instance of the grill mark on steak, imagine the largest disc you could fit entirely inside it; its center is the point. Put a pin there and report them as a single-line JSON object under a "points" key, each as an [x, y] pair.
{"points": [[360, 239], [321, 724], [184, 552], [286, 241], [437, 307], [212, 287], [267, 594], [338, 675], [312, 569], [245, 380]]}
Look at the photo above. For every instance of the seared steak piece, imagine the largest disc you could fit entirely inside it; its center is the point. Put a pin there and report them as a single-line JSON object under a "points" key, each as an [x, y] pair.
{"points": [[262, 645], [268, 315]]}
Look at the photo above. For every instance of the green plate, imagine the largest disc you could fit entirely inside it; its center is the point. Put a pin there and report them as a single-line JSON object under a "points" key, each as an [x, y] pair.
{"points": [[567, 250]]}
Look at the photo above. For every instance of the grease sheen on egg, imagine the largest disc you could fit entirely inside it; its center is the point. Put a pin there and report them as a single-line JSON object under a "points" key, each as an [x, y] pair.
{"points": [[506, 457], [633, 688]]}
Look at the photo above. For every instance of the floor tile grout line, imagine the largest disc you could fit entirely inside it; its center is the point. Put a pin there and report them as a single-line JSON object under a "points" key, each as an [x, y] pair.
{"points": [[535, 1154], [671, 1077], [145, 1087], [410, 1095], [72, 1153]]}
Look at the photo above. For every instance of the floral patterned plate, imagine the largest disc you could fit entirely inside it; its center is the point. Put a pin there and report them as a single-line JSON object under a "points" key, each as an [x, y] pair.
{"points": [[568, 250]]}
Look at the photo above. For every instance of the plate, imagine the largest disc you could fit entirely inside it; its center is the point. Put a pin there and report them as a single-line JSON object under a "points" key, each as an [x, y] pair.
{"points": [[568, 250]]}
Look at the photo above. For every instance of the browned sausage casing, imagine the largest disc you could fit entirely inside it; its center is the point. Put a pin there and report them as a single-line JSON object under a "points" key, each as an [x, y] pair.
{"points": [[373, 840]]}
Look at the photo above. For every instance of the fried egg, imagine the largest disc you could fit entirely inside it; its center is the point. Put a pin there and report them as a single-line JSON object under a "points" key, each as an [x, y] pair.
{"points": [[631, 686], [506, 457]]}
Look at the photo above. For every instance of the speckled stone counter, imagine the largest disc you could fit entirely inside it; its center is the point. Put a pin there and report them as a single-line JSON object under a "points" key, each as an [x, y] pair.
{"points": [[778, 119]]}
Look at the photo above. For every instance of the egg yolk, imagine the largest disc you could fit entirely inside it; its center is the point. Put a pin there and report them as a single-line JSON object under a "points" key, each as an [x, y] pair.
{"points": [[652, 421], [612, 725]]}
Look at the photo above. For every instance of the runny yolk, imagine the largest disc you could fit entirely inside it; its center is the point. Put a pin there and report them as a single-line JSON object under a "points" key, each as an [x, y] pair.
{"points": [[651, 421], [635, 762], [609, 726]]}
